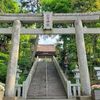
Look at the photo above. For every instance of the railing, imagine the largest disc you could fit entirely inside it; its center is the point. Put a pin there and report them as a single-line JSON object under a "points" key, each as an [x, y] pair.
{"points": [[72, 90], [27, 82], [75, 89], [19, 90]]}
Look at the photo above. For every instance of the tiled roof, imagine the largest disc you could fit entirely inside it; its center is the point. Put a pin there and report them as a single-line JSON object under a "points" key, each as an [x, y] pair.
{"points": [[45, 48]]}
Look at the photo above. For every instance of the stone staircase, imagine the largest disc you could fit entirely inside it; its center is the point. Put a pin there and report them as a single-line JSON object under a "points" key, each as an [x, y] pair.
{"points": [[46, 83]]}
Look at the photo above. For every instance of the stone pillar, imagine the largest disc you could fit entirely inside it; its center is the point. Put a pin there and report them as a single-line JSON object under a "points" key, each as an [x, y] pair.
{"points": [[82, 59], [12, 66]]}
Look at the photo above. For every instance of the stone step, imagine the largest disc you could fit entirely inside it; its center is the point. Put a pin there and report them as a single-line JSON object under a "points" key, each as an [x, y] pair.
{"points": [[46, 83], [47, 97]]}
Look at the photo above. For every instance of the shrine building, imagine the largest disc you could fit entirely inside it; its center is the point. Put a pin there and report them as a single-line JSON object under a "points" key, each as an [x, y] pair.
{"points": [[45, 50]]}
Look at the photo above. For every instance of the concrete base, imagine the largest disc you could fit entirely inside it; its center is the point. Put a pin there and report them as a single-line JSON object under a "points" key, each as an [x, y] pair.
{"points": [[10, 98], [96, 95], [84, 98], [1, 95]]}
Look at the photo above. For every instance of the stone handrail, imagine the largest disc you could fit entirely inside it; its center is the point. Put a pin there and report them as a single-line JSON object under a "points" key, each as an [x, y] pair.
{"points": [[64, 80], [27, 82], [72, 90], [61, 74]]}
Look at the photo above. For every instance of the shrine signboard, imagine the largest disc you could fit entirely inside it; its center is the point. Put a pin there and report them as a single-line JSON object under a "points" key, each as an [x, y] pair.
{"points": [[48, 21]]}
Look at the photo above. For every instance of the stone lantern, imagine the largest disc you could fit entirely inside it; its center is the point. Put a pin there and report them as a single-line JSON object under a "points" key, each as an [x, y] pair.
{"points": [[97, 69], [77, 74]]}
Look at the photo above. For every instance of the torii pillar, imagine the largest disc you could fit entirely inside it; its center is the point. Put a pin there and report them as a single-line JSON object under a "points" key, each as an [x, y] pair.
{"points": [[12, 66], [82, 59]]}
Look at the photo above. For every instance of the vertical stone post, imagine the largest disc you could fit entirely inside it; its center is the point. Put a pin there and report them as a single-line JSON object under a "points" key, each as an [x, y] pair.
{"points": [[12, 66], [82, 59]]}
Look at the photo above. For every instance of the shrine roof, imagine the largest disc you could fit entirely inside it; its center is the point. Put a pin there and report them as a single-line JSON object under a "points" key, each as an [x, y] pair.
{"points": [[45, 48]]}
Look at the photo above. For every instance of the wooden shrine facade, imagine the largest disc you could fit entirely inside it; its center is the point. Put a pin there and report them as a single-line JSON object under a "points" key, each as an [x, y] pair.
{"points": [[45, 50]]}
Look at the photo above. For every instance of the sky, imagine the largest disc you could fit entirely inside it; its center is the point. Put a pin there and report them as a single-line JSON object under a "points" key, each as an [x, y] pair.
{"points": [[48, 39]]}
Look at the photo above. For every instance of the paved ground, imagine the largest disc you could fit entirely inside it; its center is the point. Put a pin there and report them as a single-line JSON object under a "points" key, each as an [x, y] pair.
{"points": [[46, 83], [51, 99], [47, 99]]}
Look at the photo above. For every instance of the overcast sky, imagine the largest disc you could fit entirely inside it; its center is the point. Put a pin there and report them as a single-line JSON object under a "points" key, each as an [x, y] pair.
{"points": [[48, 40]]}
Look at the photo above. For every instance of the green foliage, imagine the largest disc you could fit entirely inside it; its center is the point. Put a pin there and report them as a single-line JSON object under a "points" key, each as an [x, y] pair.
{"points": [[3, 66], [65, 6], [57, 6], [83, 5], [4, 56], [23, 77], [3, 72], [10, 6], [69, 48], [97, 3], [25, 55]]}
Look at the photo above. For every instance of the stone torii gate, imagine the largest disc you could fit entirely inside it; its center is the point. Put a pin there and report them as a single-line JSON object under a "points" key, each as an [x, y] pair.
{"points": [[48, 19]]}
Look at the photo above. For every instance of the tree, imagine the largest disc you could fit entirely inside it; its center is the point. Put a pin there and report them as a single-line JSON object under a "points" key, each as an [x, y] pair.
{"points": [[25, 55]]}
